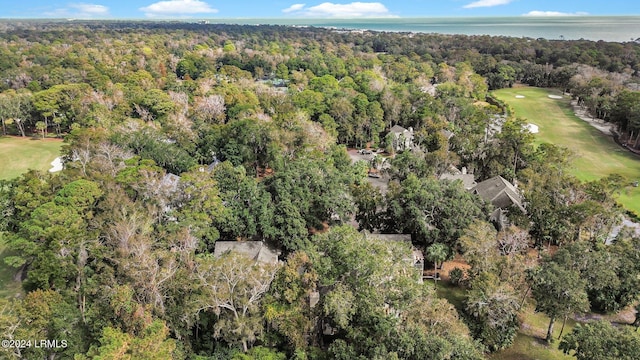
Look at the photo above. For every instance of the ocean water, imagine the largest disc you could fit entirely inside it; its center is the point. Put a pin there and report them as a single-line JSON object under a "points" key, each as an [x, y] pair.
{"points": [[607, 28]]}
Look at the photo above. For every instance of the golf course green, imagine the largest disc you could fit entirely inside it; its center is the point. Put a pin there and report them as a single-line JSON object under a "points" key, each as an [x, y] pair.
{"points": [[21, 154], [597, 155]]}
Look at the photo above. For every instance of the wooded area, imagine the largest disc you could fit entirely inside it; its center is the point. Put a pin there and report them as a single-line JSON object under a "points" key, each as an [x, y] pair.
{"points": [[180, 136]]}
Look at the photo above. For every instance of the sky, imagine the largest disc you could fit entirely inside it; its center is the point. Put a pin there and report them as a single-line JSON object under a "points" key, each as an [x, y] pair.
{"points": [[224, 9]]}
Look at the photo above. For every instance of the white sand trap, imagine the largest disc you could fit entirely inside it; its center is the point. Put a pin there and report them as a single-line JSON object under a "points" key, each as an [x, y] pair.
{"points": [[533, 128], [554, 96], [519, 96], [56, 165]]}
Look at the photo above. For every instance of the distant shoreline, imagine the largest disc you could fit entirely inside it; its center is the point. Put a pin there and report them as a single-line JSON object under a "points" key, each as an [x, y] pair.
{"points": [[621, 28]]}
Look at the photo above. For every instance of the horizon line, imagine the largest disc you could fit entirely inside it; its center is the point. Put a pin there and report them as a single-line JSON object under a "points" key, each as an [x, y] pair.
{"points": [[318, 18]]}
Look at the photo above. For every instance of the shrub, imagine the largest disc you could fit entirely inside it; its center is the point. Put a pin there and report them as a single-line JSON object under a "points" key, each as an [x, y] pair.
{"points": [[456, 276]]}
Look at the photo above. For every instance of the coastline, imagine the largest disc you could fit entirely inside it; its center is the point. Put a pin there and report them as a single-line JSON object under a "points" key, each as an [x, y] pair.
{"points": [[621, 28]]}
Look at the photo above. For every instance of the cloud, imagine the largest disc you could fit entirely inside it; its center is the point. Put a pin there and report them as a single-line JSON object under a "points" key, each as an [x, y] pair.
{"points": [[553, 13], [178, 8], [94, 9], [79, 10], [293, 8], [331, 10], [486, 3]]}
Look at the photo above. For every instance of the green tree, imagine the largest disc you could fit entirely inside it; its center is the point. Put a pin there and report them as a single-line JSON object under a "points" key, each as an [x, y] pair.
{"points": [[599, 340], [245, 201], [437, 253], [151, 344], [9, 325], [62, 104], [493, 307], [612, 272], [517, 142], [406, 163], [376, 308], [479, 246], [42, 127], [502, 76], [260, 353], [232, 287], [368, 201], [313, 102], [15, 109], [559, 292], [306, 193], [46, 315], [155, 105], [288, 306], [431, 211], [200, 207]]}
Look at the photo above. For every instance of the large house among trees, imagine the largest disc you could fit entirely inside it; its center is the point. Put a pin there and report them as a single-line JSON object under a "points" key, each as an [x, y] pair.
{"points": [[502, 195], [401, 138]]}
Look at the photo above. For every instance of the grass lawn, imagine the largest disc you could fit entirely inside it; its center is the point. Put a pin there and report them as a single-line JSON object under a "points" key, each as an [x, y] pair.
{"points": [[8, 287], [597, 154], [527, 347], [529, 344], [21, 154], [454, 294]]}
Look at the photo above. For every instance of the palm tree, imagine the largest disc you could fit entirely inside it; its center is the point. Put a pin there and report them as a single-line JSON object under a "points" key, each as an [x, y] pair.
{"points": [[437, 253], [41, 125]]}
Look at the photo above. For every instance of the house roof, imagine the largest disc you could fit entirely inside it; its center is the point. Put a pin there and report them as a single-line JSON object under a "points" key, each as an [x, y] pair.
{"points": [[213, 164], [417, 254], [501, 193], [468, 181], [170, 182], [255, 250], [447, 134], [388, 237], [398, 129]]}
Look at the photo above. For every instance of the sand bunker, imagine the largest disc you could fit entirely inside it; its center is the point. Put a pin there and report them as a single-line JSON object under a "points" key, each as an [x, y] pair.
{"points": [[554, 96], [56, 165], [519, 96], [533, 128]]}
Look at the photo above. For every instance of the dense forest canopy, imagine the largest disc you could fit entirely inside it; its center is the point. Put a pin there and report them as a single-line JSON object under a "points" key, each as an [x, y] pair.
{"points": [[182, 136]]}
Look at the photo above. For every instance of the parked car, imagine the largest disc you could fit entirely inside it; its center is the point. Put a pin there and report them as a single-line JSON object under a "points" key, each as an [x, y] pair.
{"points": [[365, 152]]}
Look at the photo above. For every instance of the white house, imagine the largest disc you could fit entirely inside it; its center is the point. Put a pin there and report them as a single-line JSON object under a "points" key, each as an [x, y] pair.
{"points": [[402, 138]]}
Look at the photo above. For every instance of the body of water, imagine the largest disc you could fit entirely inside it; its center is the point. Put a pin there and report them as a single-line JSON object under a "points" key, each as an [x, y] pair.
{"points": [[607, 28]]}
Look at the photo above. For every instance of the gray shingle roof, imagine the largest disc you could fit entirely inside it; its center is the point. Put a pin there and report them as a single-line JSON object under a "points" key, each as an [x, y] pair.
{"points": [[255, 250], [170, 182], [468, 181], [389, 237], [501, 193], [398, 129]]}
